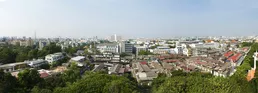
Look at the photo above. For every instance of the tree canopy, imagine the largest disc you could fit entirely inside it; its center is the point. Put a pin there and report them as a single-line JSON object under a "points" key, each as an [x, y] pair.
{"points": [[11, 54], [100, 83], [142, 52]]}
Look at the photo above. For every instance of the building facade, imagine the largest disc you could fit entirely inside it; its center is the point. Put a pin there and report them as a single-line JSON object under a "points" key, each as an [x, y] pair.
{"points": [[137, 49], [54, 57], [126, 47], [108, 47]]}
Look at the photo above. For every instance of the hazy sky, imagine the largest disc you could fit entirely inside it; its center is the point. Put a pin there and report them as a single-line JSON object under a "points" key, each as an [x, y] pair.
{"points": [[138, 18]]}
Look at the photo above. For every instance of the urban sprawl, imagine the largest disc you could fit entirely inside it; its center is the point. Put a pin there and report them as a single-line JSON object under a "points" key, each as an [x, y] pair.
{"points": [[143, 58]]}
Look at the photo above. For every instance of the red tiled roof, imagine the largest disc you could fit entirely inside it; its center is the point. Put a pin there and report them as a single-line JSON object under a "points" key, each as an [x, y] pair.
{"points": [[233, 41], [227, 54], [121, 70], [172, 60], [199, 62], [144, 63], [127, 69], [44, 74], [235, 57], [245, 48]]}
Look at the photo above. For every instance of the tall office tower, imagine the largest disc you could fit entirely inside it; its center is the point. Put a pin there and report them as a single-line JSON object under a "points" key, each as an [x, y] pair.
{"points": [[126, 47], [115, 38]]}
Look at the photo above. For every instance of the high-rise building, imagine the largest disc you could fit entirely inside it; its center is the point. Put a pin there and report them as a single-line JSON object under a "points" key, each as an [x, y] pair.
{"points": [[126, 47], [115, 38], [42, 44]]}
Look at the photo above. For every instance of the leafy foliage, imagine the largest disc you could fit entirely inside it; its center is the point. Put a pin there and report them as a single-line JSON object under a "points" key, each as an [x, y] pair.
{"points": [[142, 52], [100, 83], [8, 83], [7, 55], [11, 54], [71, 50], [153, 47], [124, 54], [29, 78], [245, 44]]}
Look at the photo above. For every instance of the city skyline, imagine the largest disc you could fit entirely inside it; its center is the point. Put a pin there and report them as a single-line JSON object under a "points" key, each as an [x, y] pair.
{"points": [[145, 18]]}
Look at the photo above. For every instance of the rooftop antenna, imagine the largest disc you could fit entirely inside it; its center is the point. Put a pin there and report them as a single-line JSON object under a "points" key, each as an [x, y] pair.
{"points": [[35, 34]]}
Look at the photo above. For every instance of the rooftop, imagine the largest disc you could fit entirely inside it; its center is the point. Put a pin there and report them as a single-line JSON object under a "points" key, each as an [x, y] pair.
{"points": [[228, 54], [235, 57], [78, 58], [107, 44]]}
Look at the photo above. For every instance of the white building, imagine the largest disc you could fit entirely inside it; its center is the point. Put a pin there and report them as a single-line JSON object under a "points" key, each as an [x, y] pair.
{"points": [[78, 60], [108, 47], [137, 49], [182, 49], [115, 38], [28, 42], [54, 57], [160, 50], [206, 45]]}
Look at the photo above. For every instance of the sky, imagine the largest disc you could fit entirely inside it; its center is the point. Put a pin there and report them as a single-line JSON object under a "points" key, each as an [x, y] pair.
{"points": [[128, 18]]}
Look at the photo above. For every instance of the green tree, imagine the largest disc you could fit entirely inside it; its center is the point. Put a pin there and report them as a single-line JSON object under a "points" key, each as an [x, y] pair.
{"points": [[8, 83], [21, 57], [153, 47], [124, 54], [36, 89], [7, 55], [142, 52], [33, 54], [54, 81], [71, 50], [71, 75], [29, 78], [99, 83], [121, 85]]}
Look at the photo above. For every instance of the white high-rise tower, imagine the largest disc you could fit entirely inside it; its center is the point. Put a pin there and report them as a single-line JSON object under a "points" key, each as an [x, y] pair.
{"points": [[255, 59], [115, 37]]}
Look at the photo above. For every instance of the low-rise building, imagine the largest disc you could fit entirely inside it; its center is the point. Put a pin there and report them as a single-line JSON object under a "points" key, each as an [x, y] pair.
{"points": [[143, 73], [79, 60], [115, 69], [54, 57], [98, 67], [161, 50], [108, 47], [44, 73], [36, 63], [107, 57]]}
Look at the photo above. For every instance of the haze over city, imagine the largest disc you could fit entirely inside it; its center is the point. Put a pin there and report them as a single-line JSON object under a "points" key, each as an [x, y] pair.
{"points": [[138, 18], [128, 46]]}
